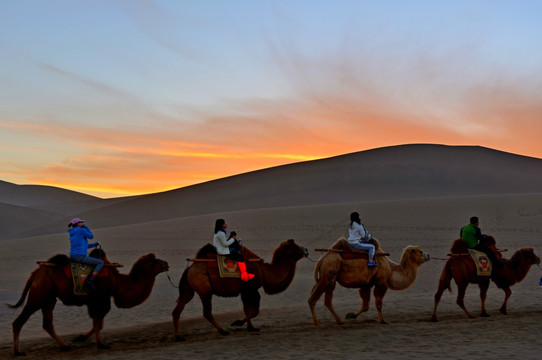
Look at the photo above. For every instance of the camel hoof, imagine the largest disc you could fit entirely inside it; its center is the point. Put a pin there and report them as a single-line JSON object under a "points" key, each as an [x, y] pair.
{"points": [[484, 315], [79, 338], [223, 332], [19, 353], [65, 348], [504, 312], [384, 322], [179, 338], [434, 319], [102, 347], [253, 329], [351, 316], [238, 323]]}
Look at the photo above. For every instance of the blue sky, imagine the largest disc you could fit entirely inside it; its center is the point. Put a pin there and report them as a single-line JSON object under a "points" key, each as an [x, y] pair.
{"points": [[124, 97]]}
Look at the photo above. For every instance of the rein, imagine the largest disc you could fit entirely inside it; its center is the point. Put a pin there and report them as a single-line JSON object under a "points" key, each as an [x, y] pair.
{"points": [[171, 282]]}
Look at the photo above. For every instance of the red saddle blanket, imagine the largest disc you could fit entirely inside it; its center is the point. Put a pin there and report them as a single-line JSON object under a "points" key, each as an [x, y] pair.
{"points": [[354, 255]]}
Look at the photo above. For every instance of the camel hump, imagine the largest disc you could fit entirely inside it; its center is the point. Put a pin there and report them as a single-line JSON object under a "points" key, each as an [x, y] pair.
{"points": [[459, 246], [344, 245], [205, 251], [59, 259]]}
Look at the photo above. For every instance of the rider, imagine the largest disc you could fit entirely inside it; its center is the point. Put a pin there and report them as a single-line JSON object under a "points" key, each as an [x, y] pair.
{"points": [[222, 244], [79, 235], [358, 238], [472, 235]]}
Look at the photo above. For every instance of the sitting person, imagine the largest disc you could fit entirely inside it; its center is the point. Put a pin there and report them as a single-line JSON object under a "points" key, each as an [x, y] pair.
{"points": [[473, 237], [358, 238], [79, 235], [222, 245], [235, 247]]}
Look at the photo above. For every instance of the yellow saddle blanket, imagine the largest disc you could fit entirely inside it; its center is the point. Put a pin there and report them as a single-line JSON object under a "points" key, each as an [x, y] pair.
{"points": [[482, 261], [227, 267], [80, 272]]}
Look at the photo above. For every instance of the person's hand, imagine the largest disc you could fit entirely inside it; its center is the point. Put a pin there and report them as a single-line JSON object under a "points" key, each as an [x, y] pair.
{"points": [[97, 244]]}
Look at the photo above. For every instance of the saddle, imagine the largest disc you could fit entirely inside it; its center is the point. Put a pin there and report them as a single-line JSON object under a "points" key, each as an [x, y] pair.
{"points": [[227, 267], [482, 262], [347, 252]]}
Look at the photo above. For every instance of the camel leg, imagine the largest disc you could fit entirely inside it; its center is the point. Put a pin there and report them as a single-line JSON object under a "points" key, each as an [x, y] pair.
{"points": [[97, 325], [438, 295], [483, 295], [379, 292], [47, 311], [18, 323], [208, 312], [251, 307], [316, 293], [507, 293], [461, 289], [185, 296], [365, 295], [328, 303]]}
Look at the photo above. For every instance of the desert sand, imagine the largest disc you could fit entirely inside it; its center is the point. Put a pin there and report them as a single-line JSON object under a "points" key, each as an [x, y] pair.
{"points": [[285, 322]]}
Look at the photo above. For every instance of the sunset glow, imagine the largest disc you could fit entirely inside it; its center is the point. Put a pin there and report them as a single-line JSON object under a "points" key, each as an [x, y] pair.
{"points": [[115, 98]]}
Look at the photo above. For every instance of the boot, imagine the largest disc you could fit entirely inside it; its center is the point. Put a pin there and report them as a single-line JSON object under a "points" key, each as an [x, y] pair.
{"points": [[244, 275], [90, 282]]}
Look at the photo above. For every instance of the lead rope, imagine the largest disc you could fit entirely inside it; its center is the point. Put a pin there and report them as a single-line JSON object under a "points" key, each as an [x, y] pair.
{"points": [[169, 278]]}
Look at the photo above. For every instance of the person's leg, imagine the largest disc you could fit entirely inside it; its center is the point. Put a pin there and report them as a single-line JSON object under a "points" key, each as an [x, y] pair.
{"points": [[494, 260], [370, 248], [98, 265]]}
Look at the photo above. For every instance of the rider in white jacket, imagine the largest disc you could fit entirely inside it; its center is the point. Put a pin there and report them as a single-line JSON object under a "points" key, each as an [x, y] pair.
{"points": [[358, 238]]}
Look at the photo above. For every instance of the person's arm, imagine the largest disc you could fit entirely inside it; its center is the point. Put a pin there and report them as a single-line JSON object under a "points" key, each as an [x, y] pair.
{"points": [[86, 232], [225, 241], [364, 234], [478, 233]]}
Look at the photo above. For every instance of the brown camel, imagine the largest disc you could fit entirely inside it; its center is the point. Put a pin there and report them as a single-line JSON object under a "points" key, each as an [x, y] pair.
{"points": [[462, 269], [47, 283], [332, 268], [202, 278]]}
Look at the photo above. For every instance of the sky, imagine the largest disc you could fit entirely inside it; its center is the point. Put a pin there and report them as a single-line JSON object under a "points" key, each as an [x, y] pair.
{"points": [[125, 97]]}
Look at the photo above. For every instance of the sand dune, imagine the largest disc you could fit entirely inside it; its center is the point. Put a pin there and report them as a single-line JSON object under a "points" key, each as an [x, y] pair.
{"points": [[417, 218], [392, 173]]}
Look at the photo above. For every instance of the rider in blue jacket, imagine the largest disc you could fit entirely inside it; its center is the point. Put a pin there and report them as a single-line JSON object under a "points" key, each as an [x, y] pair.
{"points": [[79, 235]]}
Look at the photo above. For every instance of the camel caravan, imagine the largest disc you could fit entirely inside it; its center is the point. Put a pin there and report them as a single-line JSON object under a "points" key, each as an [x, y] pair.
{"points": [[227, 268]]}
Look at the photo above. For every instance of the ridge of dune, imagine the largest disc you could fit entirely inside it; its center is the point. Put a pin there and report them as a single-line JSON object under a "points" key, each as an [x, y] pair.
{"points": [[391, 173]]}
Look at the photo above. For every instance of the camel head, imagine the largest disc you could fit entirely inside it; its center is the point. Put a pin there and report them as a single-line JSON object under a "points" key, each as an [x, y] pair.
{"points": [[525, 254], [414, 255], [149, 264], [289, 250]]}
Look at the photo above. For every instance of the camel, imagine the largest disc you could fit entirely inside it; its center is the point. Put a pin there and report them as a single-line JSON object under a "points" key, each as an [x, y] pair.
{"points": [[460, 267], [47, 283], [332, 268], [203, 279]]}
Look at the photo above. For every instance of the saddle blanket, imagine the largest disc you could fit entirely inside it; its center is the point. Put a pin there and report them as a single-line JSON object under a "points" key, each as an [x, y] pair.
{"points": [[227, 267], [79, 273], [354, 255], [482, 262]]}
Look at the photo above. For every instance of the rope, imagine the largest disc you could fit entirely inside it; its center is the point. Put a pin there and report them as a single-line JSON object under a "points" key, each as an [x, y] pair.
{"points": [[444, 259], [171, 282]]}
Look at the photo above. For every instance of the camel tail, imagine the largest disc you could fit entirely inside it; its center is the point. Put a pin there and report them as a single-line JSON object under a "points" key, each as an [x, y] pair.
{"points": [[186, 292], [317, 269], [446, 277], [25, 292]]}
